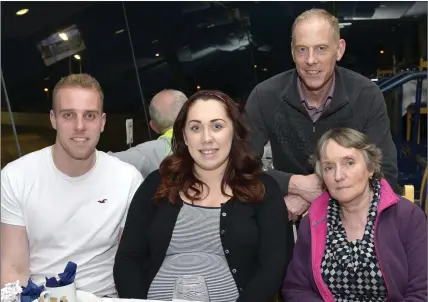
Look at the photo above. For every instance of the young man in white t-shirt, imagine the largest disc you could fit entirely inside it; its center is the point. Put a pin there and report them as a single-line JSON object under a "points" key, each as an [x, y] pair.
{"points": [[69, 201]]}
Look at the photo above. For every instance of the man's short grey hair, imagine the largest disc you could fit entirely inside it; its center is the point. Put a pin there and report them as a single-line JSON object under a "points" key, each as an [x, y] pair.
{"points": [[349, 138], [165, 119], [321, 13]]}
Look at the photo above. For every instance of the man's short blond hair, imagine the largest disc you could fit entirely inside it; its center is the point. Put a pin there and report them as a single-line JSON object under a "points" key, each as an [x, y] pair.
{"points": [[82, 80], [320, 13]]}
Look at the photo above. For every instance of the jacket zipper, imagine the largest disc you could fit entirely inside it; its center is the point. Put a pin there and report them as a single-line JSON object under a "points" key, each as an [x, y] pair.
{"points": [[377, 255]]}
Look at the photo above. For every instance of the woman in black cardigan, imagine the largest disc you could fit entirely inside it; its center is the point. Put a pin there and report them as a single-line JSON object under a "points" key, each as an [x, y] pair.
{"points": [[207, 211]]}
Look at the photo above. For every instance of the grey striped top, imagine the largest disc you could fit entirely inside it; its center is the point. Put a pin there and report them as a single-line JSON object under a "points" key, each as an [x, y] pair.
{"points": [[195, 249]]}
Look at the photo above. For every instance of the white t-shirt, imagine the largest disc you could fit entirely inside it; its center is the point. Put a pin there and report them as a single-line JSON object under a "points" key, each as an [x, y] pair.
{"points": [[69, 218]]}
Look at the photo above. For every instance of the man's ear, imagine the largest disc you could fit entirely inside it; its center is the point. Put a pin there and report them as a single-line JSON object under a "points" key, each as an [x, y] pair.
{"points": [[52, 117], [153, 126], [103, 121], [292, 52], [340, 50]]}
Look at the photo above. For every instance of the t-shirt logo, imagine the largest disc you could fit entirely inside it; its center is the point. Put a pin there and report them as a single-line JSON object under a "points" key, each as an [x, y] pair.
{"points": [[102, 201]]}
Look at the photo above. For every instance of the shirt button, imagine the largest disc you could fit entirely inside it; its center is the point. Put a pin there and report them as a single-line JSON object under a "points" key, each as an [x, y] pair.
{"points": [[223, 214], [222, 232], [234, 271], [226, 251]]}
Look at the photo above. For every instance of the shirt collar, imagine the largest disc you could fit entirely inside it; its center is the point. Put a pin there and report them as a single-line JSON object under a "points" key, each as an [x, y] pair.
{"points": [[330, 92], [167, 134]]}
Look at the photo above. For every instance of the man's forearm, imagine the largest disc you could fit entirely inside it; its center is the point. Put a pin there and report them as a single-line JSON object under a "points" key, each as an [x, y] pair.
{"points": [[294, 184], [306, 186], [9, 274]]}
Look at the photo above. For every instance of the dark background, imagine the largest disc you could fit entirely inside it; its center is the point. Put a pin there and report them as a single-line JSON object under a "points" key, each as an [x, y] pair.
{"points": [[230, 46]]}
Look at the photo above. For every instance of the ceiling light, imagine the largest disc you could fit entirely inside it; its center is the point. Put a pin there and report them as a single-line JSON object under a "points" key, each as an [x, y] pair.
{"points": [[77, 57], [255, 66], [157, 55], [264, 69], [63, 36], [198, 87], [46, 90], [22, 11], [119, 31], [155, 41], [381, 52]]}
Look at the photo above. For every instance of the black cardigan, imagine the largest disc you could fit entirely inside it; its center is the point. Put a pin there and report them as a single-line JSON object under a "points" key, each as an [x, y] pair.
{"points": [[257, 240]]}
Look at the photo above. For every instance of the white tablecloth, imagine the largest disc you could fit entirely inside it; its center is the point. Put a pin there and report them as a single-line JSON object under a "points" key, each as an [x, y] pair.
{"points": [[88, 297], [129, 300], [137, 300]]}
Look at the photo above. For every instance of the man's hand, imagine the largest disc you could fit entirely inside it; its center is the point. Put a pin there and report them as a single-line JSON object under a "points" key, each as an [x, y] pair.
{"points": [[296, 206], [307, 187]]}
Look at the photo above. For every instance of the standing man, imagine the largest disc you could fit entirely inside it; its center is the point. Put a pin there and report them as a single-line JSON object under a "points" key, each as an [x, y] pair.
{"points": [[68, 201], [294, 108], [163, 109]]}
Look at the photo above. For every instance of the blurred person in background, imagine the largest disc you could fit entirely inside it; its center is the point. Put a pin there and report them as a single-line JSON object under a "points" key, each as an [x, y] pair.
{"points": [[163, 110]]}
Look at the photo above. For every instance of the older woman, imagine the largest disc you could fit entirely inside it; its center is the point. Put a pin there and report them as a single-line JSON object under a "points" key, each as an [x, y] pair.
{"points": [[208, 211], [360, 241]]}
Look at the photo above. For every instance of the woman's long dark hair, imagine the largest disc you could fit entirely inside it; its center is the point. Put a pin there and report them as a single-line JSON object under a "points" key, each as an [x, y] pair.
{"points": [[242, 169]]}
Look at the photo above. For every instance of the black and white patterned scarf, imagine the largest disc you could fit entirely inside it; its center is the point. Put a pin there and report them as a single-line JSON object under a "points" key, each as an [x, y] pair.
{"points": [[350, 268]]}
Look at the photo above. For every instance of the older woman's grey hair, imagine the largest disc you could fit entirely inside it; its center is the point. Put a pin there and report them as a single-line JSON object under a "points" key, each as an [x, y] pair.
{"points": [[349, 138]]}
